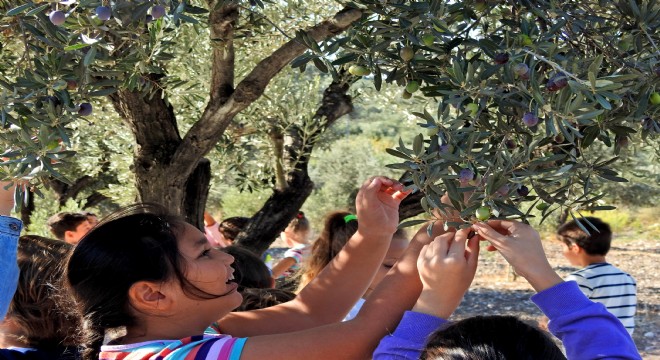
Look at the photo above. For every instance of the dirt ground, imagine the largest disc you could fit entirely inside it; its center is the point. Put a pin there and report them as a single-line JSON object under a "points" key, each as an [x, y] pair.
{"points": [[494, 291]]}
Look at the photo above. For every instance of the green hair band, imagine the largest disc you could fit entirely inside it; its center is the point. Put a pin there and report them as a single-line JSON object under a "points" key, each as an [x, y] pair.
{"points": [[350, 217]]}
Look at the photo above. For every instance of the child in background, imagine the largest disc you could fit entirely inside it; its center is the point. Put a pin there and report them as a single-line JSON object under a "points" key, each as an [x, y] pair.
{"points": [[35, 327], [69, 227], [177, 285], [397, 247], [339, 226], [249, 270], [295, 238], [587, 329], [599, 280]]}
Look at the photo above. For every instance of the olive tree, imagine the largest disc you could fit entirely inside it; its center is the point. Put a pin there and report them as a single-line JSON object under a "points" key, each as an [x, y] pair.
{"points": [[524, 90], [58, 57]]}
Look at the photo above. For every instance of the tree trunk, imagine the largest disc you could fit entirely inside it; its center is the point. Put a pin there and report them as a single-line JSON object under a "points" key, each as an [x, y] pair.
{"points": [[265, 226]]}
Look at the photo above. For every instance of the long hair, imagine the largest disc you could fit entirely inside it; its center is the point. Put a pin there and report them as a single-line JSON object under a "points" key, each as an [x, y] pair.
{"points": [[336, 232], [35, 309], [136, 243]]}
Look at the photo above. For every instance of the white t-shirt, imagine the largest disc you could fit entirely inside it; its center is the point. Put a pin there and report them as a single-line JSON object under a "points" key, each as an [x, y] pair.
{"points": [[616, 289]]}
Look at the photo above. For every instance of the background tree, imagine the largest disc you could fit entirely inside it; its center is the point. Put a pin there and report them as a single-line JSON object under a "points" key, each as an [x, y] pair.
{"points": [[524, 89], [74, 51], [518, 91]]}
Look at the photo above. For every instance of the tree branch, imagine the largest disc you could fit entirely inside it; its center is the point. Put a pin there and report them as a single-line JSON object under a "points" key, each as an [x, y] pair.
{"points": [[222, 23], [205, 133]]}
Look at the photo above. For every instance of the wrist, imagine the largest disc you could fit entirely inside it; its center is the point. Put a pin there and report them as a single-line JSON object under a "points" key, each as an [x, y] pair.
{"points": [[430, 303], [542, 279]]}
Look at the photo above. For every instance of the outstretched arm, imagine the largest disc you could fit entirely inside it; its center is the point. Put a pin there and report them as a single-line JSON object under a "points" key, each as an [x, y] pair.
{"points": [[357, 338], [330, 296], [587, 329], [447, 267], [10, 229]]}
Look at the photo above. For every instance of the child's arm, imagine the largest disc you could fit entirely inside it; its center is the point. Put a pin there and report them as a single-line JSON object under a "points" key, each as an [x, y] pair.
{"points": [[587, 329], [330, 296], [447, 268], [357, 338], [282, 266], [10, 229]]}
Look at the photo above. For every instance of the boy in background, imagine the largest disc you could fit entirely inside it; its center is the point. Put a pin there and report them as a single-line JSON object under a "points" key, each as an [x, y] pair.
{"points": [[69, 227], [599, 280]]}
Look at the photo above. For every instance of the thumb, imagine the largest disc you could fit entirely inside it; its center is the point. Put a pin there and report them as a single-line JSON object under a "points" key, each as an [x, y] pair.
{"points": [[472, 251], [488, 233]]}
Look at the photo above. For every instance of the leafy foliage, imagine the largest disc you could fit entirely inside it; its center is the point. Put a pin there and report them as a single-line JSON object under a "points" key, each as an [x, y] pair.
{"points": [[523, 90]]}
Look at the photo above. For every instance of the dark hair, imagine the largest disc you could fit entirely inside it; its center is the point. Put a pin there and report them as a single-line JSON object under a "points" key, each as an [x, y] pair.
{"points": [[249, 270], [34, 308], [299, 223], [136, 243], [598, 243], [335, 234], [490, 338], [255, 299], [65, 221], [232, 226]]}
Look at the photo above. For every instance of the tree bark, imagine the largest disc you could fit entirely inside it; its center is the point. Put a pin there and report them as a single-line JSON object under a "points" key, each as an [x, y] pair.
{"points": [[169, 170], [266, 225]]}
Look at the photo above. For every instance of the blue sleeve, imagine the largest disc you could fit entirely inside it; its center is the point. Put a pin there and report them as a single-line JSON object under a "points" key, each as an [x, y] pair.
{"points": [[586, 328], [409, 338], [10, 230]]}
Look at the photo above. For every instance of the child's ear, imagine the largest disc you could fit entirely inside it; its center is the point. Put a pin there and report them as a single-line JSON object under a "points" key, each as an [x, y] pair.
{"points": [[147, 296], [576, 249]]}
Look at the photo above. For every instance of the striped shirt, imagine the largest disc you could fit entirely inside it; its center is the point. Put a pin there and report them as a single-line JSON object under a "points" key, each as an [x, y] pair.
{"points": [[606, 284], [211, 345]]}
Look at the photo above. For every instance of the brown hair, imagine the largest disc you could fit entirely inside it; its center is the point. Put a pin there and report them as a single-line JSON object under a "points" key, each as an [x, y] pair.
{"points": [[65, 221], [596, 243], [336, 232], [232, 226], [35, 309]]}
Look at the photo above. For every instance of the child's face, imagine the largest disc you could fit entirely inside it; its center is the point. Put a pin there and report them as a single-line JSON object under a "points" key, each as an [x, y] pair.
{"points": [[397, 248], [209, 270]]}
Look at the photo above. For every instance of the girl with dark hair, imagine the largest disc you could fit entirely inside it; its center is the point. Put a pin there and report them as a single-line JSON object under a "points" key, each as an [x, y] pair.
{"points": [[339, 226], [159, 279]]}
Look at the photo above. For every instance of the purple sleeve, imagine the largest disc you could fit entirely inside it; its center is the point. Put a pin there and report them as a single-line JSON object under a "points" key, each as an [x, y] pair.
{"points": [[586, 328], [409, 338]]}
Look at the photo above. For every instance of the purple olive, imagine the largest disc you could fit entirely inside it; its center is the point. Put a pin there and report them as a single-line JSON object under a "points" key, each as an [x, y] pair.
{"points": [[103, 13], [501, 58], [57, 18], [85, 109], [530, 119], [465, 175], [523, 190], [158, 11]]}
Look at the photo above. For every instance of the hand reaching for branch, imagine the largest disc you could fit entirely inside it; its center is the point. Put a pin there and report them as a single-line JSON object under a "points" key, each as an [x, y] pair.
{"points": [[7, 197], [521, 246], [377, 205], [446, 268]]}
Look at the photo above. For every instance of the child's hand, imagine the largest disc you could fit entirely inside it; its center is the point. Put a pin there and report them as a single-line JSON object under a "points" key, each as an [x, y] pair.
{"points": [[377, 205], [6, 197], [446, 268], [521, 246]]}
